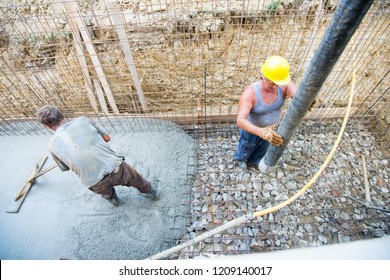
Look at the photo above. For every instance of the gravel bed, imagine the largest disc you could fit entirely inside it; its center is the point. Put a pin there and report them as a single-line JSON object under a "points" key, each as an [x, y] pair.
{"points": [[324, 214]]}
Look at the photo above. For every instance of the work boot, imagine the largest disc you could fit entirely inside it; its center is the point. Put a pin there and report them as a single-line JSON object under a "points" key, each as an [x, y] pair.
{"points": [[153, 194], [241, 164], [114, 200]]}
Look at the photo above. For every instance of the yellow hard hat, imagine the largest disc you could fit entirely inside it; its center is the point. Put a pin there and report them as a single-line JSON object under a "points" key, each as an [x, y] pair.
{"points": [[276, 69]]}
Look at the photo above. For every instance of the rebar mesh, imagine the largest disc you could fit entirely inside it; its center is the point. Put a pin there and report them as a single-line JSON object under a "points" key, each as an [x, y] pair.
{"points": [[326, 214], [188, 62]]}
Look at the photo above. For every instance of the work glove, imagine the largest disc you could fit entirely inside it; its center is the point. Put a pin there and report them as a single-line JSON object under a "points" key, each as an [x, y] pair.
{"points": [[271, 136], [313, 105]]}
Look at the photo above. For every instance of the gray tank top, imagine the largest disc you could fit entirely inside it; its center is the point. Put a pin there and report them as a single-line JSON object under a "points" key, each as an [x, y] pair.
{"points": [[264, 115]]}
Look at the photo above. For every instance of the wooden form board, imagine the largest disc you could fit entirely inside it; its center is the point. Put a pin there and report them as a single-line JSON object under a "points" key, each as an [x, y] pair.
{"points": [[120, 29], [83, 63], [73, 11], [100, 95], [230, 117]]}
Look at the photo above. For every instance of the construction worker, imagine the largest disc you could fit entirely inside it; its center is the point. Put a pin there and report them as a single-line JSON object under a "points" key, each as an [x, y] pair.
{"points": [[82, 146], [259, 111]]}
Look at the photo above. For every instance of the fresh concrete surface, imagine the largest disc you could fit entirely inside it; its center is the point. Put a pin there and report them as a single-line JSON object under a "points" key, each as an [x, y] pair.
{"points": [[60, 218]]}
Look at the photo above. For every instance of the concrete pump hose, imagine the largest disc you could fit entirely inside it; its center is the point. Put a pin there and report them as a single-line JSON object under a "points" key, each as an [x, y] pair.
{"points": [[248, 217], [323, 166]]}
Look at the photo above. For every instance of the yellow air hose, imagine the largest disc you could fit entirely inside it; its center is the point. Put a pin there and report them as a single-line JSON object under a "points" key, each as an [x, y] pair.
{"points": [[247, 217]]}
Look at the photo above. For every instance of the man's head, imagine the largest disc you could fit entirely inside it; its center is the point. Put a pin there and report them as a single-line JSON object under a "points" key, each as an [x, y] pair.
{"points": [[50, 116], [277, 70], [268, 84]]}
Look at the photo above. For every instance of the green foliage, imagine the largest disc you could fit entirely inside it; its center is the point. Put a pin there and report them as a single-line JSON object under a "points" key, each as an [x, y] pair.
{"points": [[272, 7]]}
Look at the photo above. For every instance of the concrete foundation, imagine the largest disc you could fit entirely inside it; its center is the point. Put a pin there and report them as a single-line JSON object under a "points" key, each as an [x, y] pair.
{"points": [[60, 218]]}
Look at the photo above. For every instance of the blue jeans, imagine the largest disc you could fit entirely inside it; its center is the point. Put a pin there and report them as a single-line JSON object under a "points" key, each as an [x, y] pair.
{"points": [[250, 148]]}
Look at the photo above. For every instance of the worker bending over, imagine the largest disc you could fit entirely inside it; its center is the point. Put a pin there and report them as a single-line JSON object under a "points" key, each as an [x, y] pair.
{"points": [[82, 146]]}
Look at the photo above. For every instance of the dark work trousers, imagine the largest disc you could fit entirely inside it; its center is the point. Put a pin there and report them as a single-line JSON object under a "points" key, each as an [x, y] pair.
{"points": [[250, 148], [124, 175]]}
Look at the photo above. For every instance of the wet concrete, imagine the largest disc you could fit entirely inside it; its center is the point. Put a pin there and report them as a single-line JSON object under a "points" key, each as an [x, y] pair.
{"points": [[60, 218]]}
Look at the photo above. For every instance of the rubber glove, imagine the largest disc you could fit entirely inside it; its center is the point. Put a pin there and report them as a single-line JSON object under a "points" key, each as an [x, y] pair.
{"points": [[271, 136], [313, 105]]}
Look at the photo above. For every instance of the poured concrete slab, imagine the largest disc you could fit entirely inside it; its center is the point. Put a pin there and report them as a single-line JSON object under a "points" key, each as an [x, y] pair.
{"points": [[60, 218]]}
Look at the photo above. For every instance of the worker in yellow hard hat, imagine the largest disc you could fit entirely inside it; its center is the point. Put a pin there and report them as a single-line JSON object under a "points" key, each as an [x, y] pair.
{"points": [[259, 110]]}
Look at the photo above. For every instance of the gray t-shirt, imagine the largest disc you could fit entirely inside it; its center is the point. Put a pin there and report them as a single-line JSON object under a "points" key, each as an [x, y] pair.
{"points": [[78, 145]]}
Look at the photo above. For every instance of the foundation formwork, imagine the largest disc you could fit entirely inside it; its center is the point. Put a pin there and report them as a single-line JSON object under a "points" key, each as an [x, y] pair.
{"points": [[187, 62]]}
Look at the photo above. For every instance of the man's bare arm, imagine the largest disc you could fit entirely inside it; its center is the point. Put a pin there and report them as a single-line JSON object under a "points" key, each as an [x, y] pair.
{"points": [[247, 100], [291, 88], [106, 137]]}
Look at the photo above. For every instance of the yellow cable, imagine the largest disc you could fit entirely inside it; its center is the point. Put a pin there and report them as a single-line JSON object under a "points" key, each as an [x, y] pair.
{"points": [[324, 165]]}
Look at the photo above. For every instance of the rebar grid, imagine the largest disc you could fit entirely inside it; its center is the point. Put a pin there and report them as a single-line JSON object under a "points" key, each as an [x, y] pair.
{"points": [[325, 214], [193, 60]]}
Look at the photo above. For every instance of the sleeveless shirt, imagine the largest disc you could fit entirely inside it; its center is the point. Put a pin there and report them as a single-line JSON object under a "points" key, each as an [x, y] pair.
{"points": [[264, 115]]}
